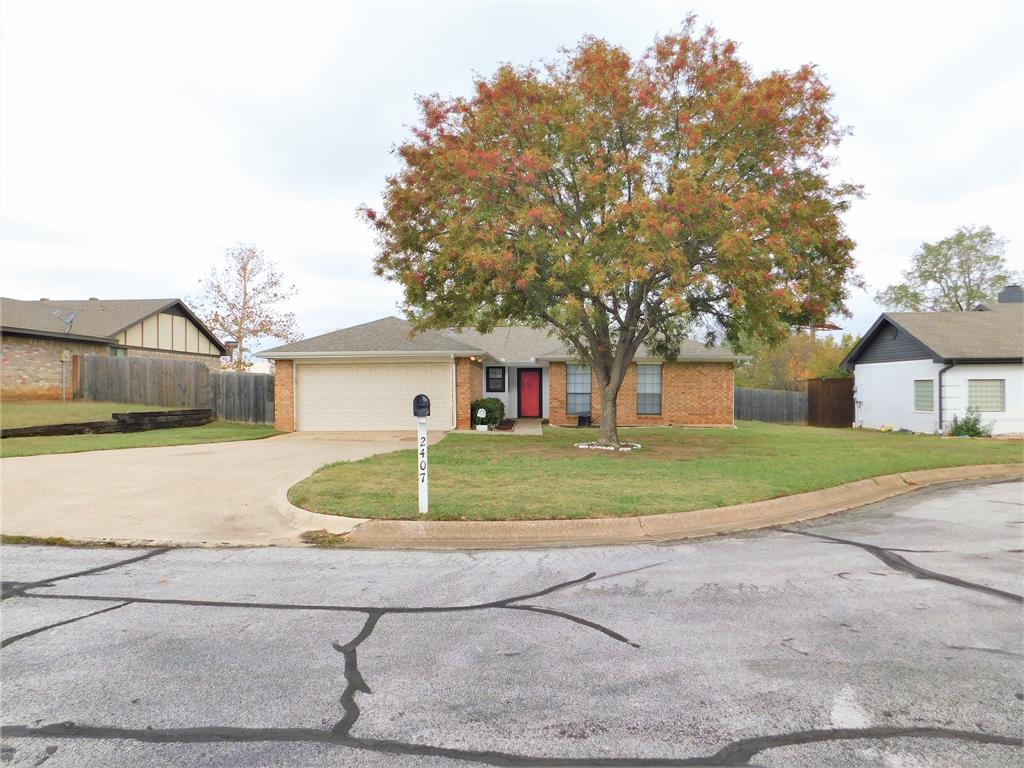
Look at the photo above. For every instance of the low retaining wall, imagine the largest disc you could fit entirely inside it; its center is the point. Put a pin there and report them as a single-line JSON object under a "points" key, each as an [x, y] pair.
{"points": [[134, 421]]}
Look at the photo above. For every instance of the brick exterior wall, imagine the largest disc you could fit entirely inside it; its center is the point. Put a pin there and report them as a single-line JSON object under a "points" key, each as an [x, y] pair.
{"points": [[469, 386], [556, 396], [692, 394], [211, 362], [31, 366], [284, 395]]}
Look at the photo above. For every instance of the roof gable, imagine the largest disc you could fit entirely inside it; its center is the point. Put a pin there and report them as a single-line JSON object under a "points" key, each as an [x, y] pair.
{"points": [[995, 333], [886, 342], [93, 318]]}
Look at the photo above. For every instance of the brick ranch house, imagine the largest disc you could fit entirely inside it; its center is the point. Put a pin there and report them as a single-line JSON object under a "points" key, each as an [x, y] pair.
{"points": [[365, 377], [36, 335]]}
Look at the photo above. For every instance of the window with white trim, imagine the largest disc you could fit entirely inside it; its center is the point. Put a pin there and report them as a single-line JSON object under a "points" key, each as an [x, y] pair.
{"points": [[648, 389], [986, 394], [495, 378], [924, 395], [577, 390]]}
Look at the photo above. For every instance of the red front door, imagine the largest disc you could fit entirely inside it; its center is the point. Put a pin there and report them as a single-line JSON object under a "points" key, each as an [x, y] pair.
{"points": [[529, 393]]}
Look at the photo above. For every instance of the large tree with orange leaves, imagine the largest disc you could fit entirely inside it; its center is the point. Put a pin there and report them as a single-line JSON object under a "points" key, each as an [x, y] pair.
{"points": [[622, 202]]}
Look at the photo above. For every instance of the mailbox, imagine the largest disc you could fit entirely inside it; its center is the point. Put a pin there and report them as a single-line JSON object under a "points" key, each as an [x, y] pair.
{"points": [[421, 406]]}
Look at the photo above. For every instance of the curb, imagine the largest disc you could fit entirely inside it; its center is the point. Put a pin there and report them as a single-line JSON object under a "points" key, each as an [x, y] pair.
{"points": [[303, 520], [675, 526]]}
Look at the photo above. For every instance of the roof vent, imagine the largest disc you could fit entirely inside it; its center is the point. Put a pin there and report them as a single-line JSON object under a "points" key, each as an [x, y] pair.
{"points": [[93, 298], [1011, 294], [44, 299]]}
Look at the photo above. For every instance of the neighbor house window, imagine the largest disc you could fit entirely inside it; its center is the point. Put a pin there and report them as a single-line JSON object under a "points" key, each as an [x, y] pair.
{"points": [[118, 351], [577, 390], [924, 395], [495, 378], [648, 390], [986, 394]]}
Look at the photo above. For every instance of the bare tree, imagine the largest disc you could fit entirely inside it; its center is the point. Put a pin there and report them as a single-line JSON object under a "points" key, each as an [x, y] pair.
{"points": [[240, 301]]}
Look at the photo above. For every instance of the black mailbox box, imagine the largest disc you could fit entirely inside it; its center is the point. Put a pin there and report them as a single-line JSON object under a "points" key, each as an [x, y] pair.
{"points": [[421, 406]]}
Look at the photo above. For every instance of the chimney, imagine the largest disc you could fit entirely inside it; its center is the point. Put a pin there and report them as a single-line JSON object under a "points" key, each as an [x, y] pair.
{"points": [[1011, 294]]}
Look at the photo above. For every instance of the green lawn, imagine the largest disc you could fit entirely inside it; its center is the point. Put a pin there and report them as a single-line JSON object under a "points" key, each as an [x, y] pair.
{"points": [[35, 413], [481, 477], [216, 432]]}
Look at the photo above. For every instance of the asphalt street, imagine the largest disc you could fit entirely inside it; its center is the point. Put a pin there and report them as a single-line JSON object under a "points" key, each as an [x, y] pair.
{"points": [[892, 636]]}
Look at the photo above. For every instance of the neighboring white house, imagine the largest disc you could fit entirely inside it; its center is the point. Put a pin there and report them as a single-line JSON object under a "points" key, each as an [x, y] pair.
{"points": [[917, 370]]}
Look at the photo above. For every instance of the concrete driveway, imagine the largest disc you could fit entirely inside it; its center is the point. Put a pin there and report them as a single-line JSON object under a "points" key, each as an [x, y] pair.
{"points": [[210, 494], [886, 637]]}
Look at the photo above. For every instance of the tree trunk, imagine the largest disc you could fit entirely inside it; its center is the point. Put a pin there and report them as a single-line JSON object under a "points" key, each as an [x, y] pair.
{"points": [[609, 415], [237, 358]]}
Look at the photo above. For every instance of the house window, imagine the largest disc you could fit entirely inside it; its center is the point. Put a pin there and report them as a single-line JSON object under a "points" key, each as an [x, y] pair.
{"points": [[924, 395], [118, 351], [495, 378], [648, 390], [986, 394], [577, 390]]}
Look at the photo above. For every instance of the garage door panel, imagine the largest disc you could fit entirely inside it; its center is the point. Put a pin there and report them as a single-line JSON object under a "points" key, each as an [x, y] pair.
{"points": [[370, 396]]}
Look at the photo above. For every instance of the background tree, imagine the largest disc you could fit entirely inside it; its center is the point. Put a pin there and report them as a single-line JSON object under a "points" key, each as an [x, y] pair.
{"points": [[790, 363], [239, 301], [953, 275], [621, 202]]}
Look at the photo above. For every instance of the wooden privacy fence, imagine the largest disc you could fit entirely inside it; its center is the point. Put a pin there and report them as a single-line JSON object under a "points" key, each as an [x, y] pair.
{"points": [[175, 384], [775, 405], [243, 396], [143, 381], [830, 402]]}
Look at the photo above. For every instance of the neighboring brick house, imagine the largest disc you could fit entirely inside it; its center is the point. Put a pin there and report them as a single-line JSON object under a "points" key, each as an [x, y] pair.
{"points": [[41, 339], [364, 378]]}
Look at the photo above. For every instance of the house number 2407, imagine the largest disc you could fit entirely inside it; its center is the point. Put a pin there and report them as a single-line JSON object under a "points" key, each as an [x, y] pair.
{"points": [[421, 468]]}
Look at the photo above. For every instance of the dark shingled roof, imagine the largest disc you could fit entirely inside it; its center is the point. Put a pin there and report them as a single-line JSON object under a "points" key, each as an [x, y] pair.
{"points": [[512, 344], [509, 343], [389, 334], [994, 332], [94, 318], [689, 349], [997, 332]]}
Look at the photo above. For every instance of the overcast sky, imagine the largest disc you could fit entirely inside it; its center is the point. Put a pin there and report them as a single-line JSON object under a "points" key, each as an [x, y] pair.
{"points": [[140, 140]]}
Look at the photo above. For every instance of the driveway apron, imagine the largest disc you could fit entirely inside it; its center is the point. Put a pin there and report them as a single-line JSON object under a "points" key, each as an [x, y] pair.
{"points": [[209, 494]]}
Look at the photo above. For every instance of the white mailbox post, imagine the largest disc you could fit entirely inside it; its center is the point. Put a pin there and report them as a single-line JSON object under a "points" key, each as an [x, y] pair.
{"points": [[421, 409]]}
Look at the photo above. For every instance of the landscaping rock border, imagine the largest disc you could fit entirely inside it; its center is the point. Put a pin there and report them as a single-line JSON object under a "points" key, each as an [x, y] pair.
{"points": [[620, 448]]}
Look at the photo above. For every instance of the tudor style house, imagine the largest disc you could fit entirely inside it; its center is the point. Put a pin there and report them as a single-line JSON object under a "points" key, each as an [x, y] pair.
{"points": [[365, 377], [42, 338], [917, 370]]}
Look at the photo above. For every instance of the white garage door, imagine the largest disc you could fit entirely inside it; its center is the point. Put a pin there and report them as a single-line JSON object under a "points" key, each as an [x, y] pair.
{"points": [[368, 396]]}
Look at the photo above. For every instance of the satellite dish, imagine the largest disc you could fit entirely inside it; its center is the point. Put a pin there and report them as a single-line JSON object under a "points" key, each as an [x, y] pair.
{"points": [[66, 317]]}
